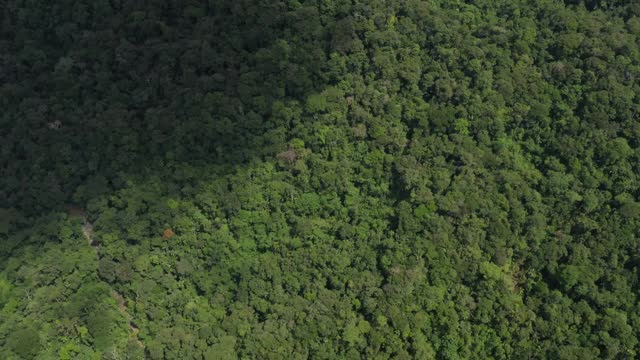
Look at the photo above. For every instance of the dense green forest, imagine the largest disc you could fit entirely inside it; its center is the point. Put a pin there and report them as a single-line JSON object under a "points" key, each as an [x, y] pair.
{"points": [[324, 179]]}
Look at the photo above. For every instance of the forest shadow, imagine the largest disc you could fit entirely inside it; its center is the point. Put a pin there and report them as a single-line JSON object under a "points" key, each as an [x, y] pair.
{"points": [[96, 94]]}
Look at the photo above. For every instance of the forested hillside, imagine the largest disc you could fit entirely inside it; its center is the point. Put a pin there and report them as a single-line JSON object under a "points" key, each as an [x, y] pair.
{"points": [[319, 179]]}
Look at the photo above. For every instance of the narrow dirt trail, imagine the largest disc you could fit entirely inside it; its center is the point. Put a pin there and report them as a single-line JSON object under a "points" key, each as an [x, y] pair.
{"points": [[87, 231]]}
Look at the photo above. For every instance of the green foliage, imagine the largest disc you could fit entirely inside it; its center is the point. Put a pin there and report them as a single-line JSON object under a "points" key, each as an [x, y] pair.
{"points": [[319, 179], [25, 342]]}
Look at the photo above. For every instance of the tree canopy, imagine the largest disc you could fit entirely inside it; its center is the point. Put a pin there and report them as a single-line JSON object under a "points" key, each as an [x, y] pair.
{"points": [[343, 179]]}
